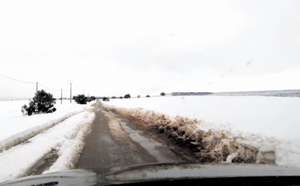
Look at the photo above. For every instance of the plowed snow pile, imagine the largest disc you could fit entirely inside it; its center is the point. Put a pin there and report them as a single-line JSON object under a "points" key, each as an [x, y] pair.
{"points": [[28, 142], [223, 142]]}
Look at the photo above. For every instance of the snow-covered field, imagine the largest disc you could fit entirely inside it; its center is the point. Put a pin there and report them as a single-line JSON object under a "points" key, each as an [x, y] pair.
{"points": [[67, 128], [269, 125], [266, 125]]}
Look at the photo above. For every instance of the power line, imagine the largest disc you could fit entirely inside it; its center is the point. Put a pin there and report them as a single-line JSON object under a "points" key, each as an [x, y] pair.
{"points": [[37, 84], [49, 88], [28, 82], [17, 79]]}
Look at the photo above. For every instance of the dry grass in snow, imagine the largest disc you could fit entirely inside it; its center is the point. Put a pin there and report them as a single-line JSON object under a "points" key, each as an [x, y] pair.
{"points": [[207, 145]]}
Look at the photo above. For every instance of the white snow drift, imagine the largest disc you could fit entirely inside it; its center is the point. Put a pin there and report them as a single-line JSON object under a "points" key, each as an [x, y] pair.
{"points": [[16, 128], [63, 141], [259, 129]]}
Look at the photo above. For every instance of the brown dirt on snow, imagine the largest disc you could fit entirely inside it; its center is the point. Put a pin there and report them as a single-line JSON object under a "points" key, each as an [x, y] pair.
{"points": [[182, 136]]}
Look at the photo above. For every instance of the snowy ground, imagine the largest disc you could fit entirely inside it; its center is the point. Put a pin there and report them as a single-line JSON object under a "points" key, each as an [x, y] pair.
{"points": [[268, 125], [25, 141]]}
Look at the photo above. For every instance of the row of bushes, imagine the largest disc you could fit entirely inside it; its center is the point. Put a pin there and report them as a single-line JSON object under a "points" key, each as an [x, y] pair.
{"points": [[43, 102], [82, 99], [127, 96]]}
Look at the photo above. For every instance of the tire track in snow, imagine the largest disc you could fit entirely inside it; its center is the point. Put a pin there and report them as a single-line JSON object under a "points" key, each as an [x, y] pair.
{"points": [[24, 158], [24, 136]]}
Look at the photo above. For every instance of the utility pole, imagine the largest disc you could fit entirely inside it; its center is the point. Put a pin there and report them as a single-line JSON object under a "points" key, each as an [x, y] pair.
{"points": [[37, 86], [70, 92], [61, 96]]}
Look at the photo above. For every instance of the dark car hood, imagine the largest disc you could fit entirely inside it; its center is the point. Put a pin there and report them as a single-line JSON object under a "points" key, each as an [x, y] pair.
{"points": [[157, 172]]}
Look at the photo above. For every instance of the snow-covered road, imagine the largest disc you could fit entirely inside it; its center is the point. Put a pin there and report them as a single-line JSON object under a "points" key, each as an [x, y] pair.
{"points": [[252, 130]]}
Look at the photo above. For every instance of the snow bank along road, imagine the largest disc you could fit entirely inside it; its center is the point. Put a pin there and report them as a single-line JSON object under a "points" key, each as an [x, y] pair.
{"points": [[207, 146], [46, 148], [127, 136], [223, 128], [93, 138]]}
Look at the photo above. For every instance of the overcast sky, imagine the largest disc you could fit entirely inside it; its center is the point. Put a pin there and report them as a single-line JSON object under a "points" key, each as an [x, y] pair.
{"points": [[146, 47]]}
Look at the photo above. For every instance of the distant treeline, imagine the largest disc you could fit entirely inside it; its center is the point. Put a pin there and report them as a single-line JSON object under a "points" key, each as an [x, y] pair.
{"points": [[191, 93], [272, 93]]}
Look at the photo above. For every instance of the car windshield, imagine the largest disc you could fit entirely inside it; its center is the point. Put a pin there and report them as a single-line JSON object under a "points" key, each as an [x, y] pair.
{"points": [[108, 85]]}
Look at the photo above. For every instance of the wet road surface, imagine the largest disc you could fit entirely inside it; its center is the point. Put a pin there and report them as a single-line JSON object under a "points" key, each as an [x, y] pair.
{"points": [[115, 141]]}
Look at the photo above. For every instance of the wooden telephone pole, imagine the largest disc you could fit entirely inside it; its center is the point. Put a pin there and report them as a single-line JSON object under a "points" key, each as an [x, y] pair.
{"points": [[70, 92], [37, 86], [60, 96]]}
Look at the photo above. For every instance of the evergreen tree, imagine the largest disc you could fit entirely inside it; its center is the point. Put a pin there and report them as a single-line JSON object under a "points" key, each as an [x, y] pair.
{"points": [[127, 96], [80, 99], [42, 102]]}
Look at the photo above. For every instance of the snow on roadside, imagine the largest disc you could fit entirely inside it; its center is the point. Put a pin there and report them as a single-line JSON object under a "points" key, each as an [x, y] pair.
{"points": [[209, 146], [267, 116], [70, 151], [24, 157], [268, 125], [16, 128], [218, 144]]}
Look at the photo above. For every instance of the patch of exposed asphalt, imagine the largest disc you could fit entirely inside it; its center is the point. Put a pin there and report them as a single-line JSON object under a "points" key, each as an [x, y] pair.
{"points": [[184, 153], [45, 163], [109, 145], [151, 142]]}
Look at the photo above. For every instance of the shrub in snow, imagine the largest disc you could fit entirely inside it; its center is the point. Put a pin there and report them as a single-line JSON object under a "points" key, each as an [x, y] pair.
{"points": [[138, 96], [42, 102], [127, 96], [162, 94], [147, 96], [91, 98], [105, 99], [88, 99], [80, 99]]}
